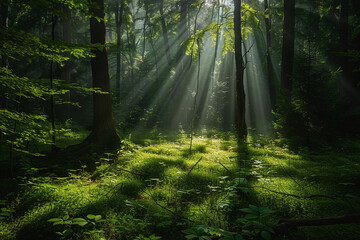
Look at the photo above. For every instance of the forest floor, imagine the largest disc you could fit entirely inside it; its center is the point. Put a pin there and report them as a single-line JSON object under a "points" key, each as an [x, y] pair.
{"points": [[154, 189]]}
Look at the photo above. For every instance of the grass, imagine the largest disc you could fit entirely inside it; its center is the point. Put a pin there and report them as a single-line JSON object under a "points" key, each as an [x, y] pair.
{"points": [[158, 189]]}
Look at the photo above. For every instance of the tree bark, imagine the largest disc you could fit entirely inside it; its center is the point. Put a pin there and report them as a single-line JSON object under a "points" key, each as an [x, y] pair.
{"points": [[118, 19], [66, 70], [240, 93], [164, 32], [4, 58], [287, 61], [183, 32], [270, 73], [52, 107], [4, 24], [104, 132], [345, 219], [344, 33]]}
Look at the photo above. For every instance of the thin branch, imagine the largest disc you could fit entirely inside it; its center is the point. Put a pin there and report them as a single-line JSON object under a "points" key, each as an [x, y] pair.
{"points": [[194, 166], [299, 197], [224, 166]]}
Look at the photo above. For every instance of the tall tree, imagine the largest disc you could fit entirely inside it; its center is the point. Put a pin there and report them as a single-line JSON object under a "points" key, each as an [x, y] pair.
{"points": [[344, 37], [66, 70], [164, 32], [287, 60], [104, 131], [4, 58], [5, 25], [270, 73], [240, 93], [118, 21]]}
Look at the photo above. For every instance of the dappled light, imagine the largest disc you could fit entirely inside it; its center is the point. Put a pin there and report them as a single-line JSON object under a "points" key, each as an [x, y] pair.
{"points": [[179, 119]]}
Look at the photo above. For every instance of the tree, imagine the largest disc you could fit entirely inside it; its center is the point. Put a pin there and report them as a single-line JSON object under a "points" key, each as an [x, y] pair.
{"points": [[104, 132], [287, 60], [164, 32], [118, 20], [269, 65], [240, 93]]}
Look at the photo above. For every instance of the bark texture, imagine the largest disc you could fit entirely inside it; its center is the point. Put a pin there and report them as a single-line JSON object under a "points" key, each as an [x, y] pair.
{"points": [[104, 132], [287, 61], [240, 93]]}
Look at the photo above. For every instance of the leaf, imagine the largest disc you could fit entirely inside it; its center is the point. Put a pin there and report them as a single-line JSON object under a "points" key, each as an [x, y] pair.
{"points": [[54, 220], [91, 216], [266, 235], [97, 218], [80, 221], [247, 210], [251, 216], [66, 233]]}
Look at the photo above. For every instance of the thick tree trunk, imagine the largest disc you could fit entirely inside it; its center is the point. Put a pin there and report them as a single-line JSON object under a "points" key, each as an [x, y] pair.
{"points": [[287, 60], [104, 132], [270, 73], [240, 93], [344, 36], [118, 19], [164, 32]]}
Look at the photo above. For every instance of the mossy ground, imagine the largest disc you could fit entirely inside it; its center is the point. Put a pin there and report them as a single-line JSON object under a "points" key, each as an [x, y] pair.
{"points": [[159, 189]]}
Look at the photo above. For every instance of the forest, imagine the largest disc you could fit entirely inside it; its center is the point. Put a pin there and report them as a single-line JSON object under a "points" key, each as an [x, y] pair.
{"points": [[179, 119]]}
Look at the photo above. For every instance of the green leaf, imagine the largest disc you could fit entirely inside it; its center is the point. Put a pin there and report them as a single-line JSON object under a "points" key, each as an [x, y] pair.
{"points": [[251, 216], [91, 216], [97, 218], [247, 210], [266, 235], [54, 220], [80, 221]]}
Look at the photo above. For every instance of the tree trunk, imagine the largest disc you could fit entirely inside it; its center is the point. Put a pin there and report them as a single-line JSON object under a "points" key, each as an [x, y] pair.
{"points": [[287, 60], [118, 19], [344, 39], [240, 93], [183, 32], [270, 73], [164, 32], [4, 58], [66, 70], [4, 24], [52, 107], [104, 132]]}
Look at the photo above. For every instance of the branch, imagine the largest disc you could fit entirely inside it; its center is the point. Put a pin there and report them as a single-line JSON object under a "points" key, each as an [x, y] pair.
{"points": [[344, 219], [194, 166], [297, 196], [224, 166]]}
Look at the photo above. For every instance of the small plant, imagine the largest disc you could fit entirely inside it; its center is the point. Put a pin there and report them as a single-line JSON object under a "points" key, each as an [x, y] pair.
{"points": [[152, 237], [4, 212], [69, 222]]}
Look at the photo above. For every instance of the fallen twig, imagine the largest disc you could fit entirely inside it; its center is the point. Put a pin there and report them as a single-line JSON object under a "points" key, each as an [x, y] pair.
{"points": [[297, 196], [344, 219], [224, 166], [194, 166]]}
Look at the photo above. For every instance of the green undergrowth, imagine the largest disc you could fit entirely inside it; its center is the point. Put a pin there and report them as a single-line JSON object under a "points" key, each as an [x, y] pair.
{"points": [[154, 189]]}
